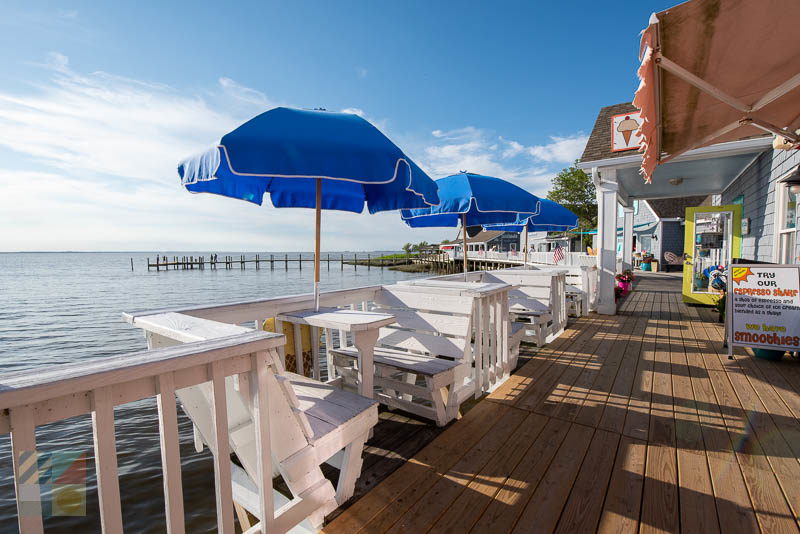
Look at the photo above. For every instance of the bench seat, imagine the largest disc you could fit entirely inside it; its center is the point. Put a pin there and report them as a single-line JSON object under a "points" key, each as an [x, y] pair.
{"points": [[330, 409], [418, 364], [423, 361]]}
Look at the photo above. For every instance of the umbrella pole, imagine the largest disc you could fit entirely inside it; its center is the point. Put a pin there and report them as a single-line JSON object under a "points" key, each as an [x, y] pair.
{"points": [[525, 250], [464, 235], [316, 243]]}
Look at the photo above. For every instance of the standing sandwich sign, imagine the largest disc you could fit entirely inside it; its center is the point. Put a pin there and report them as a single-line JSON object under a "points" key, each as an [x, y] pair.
{"points": [[764, 307]]}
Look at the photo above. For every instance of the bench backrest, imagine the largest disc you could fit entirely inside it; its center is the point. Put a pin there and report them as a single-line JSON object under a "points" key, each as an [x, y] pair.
{"points": [[168, 329], [536, 290], [435, 324], [579, 278]]}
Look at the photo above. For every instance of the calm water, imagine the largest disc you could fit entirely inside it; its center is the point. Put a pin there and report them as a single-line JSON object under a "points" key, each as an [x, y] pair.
{"points": [[61, 308]]}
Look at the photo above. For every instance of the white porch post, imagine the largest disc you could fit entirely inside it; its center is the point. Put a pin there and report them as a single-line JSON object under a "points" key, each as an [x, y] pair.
{"points": [[627, 238], [607, 239]]}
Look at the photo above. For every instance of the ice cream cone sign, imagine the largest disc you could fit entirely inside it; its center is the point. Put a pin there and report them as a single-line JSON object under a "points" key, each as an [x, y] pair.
{"points": [[623, 131]]}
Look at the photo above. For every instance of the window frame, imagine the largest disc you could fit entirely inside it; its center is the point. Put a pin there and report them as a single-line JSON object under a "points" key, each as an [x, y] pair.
{"points": [[784, 235]]}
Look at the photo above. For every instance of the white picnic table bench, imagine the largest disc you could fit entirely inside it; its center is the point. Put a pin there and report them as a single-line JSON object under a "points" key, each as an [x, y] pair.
{"points": [[496, 340], [310, 422], [362, 325], [538, 299], [581, 285]]}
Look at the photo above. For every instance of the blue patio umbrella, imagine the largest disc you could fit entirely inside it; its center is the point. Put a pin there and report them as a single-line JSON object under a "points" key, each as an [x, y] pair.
{"points": [[473, 200], [310, 159], [552, 217]]}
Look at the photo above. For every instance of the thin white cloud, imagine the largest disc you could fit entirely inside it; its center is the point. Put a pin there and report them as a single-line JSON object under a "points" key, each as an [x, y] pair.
{"points": [[354, 111], [99, 153], [561, 149], [361, 72], [106, 124], [476, 150], [512, 148], [95, 158], [245, 94]]}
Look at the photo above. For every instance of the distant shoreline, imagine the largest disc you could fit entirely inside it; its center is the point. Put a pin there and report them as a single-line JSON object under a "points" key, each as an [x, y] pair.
{"points": [[161, 252]]}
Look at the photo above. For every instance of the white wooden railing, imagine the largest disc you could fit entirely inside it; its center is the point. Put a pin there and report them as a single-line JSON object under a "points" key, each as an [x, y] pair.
{"points": [[41, 396], [517, 257], [570, 259], [248, 311], [555, 296], [580, 277], [255, 312]]}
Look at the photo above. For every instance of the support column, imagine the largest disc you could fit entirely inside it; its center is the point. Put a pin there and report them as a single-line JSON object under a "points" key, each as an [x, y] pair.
{"points": [[627, 238], [606, 239]]}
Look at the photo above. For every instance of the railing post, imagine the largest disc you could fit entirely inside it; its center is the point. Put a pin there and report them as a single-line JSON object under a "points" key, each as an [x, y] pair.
{"points": [[170, 454], [26, 470], [260, 407], [105, 457], [222, 460]]}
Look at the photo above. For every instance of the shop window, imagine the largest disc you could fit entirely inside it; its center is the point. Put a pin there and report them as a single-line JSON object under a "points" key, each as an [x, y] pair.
{"points": [[786, 217]]}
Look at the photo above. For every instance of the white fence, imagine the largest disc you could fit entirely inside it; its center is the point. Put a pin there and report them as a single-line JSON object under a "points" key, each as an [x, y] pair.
{"points": [[39, 397], [517, 257], [570, 258]]}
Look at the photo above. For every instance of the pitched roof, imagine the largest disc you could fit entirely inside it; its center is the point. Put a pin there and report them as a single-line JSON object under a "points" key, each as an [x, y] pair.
{"points": [[599, 144], [669, 208], [484, 236]]}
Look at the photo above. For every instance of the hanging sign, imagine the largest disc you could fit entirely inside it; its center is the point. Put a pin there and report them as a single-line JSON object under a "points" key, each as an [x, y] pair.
{"points": [[763, 307], [624, 131]]}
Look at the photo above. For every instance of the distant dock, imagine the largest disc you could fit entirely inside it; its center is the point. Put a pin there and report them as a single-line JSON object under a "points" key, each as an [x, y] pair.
{"points": [[435, 262], [271, 261]]}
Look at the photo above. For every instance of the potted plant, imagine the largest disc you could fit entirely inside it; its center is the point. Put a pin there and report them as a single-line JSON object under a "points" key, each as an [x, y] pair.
{"points": [[647, 259], [720, 307], [624, 281]]}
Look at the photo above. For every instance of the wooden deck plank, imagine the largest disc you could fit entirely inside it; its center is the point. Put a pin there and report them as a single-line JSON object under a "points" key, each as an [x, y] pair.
{"points": [[542, 388], [437, 455], [501, 515], [637, 416], [614, 409], [544, 508], [623, 500], [447, 486], [698, 511], [766, 452], [629, 423], [510, 391], [585, 503], [467, 509], [660, 511], [592, 407], [605, 359], [772, 511], [564, 399]]}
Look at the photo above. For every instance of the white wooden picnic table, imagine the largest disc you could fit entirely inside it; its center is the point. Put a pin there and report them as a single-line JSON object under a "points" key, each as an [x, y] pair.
{"points": [[364, 327], [491, 323]]}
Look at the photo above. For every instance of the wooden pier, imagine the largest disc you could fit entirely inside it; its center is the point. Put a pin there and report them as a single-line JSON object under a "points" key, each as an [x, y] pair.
{"points": [[259, 261], [436, 262]]}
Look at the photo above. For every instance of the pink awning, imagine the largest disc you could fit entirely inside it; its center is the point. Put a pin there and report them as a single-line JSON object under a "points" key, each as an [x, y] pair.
{"points": [[718, 70]]}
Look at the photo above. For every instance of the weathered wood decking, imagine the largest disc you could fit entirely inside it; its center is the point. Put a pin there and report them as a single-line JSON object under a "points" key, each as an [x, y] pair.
{"points": [[636, 422]]}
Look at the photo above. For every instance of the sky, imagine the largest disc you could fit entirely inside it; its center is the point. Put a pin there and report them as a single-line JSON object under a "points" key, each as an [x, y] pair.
{"points": [[99, 101]]}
